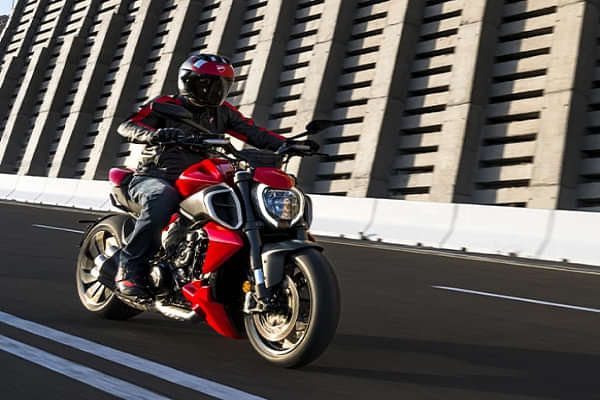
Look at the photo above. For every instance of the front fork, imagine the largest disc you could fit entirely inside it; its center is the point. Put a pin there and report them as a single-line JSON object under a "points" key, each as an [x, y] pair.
{"points": [[252, 231]]}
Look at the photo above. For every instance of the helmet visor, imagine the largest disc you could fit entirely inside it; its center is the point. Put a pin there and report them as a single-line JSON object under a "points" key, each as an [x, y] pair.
{"points": [[209, 90]]}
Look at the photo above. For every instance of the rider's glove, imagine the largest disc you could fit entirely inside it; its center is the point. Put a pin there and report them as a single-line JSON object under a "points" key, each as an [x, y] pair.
{"points": [[167, 135]]}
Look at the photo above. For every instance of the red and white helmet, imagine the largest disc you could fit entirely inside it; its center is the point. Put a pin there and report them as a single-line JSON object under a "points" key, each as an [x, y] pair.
{"points": [[205, 79]]}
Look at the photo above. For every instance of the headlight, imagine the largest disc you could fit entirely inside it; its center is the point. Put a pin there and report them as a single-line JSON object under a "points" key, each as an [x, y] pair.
{"points": [[281, 208]]}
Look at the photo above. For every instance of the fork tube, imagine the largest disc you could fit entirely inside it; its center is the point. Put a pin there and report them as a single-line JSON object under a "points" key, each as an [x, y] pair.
{"points": [[252, 230]]}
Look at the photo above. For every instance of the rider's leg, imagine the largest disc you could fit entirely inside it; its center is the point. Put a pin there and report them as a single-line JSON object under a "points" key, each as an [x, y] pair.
{"points": [[159, 201]]}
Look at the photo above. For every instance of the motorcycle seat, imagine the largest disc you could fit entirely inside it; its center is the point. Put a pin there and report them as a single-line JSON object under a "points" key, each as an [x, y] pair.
{"points": [[118, 175], [120, 178]]}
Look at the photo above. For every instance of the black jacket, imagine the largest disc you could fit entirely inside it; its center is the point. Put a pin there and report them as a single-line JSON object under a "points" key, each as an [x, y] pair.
{"points": [[168, 161]]}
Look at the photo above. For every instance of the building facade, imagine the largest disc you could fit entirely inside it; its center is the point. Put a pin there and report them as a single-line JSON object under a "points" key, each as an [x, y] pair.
{"points": [[480, 101]]}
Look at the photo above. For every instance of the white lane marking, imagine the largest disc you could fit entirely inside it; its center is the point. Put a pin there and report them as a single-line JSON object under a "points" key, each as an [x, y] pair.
{"points": [[88, 376], [56, 228], [523, 299], [164, 372]]}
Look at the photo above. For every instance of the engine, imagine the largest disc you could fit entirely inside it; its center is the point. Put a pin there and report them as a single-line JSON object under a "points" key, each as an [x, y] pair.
{"points": [[184, 252], [189, 255]]}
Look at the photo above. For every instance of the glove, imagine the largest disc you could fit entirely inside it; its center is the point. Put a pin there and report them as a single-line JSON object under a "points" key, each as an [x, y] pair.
{"points": [[167, 135]]}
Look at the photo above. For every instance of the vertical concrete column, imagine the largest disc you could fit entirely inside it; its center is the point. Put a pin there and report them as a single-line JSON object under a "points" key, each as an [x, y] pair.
{"points": [[263, 76], [562, 120], [181, 36], [124, 89], [226, 27], [467, 97], [35, 158], [86, 98], [9, 76], [378, 139], [326, 62], [18, 120], [18, 123]]}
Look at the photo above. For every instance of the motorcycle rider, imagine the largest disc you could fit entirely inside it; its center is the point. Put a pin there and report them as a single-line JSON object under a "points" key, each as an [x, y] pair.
{"points": [[204, 81]]}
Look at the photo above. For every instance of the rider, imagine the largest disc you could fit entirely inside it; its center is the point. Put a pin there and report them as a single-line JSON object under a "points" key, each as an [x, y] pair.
{"points": [[204, 82]]}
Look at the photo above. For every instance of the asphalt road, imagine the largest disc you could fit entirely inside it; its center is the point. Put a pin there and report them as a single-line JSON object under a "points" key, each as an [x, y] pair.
{"points": [[399, 336]]}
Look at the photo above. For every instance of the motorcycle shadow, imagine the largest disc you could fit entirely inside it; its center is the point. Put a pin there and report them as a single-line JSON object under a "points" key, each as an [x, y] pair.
{"points": [[551, 374]]}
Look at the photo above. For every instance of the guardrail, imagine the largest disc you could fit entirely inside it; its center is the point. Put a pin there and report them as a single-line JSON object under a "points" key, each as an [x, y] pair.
{"points": [[551, 235]]}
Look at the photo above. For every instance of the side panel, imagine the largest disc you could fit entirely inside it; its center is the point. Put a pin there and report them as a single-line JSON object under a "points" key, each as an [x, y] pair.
{"points": [[193, 206], [222, 244], [218, 203], [213, 312]]}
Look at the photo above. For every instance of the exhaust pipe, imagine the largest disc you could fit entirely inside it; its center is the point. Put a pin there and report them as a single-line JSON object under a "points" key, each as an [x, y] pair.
{"points": [[173, 312]]}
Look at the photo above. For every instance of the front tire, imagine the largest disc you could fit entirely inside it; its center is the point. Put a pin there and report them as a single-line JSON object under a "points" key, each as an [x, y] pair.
{"points": [[302, 329], [94, 296]]}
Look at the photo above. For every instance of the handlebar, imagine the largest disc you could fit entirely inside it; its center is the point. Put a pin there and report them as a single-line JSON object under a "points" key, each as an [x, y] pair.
{"points": [[219, 140]]}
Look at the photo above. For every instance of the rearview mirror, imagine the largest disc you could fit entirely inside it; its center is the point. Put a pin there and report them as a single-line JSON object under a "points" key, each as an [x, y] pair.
{"points": [[171, 110], [318, 125]]}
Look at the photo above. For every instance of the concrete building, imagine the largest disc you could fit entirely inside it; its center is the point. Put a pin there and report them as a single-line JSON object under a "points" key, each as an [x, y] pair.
{"points": [[480, 101], [3, 21]]}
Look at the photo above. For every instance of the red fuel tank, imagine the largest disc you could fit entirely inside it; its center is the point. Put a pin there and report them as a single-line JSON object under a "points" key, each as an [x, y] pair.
{"points": [[204, 174]]}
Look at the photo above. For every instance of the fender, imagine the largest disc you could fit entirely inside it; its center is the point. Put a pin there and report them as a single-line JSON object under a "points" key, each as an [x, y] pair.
{"points": [[274, 254]]}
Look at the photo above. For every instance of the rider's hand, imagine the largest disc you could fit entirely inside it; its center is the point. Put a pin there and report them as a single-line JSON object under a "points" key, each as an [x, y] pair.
{"points": [[167, 135]]}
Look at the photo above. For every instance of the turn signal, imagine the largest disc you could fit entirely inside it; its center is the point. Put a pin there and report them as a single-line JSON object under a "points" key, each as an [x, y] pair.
{"points": [[247, 286]]}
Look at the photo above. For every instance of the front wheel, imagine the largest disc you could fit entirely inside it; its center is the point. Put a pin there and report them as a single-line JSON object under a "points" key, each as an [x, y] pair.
{"points": [[306, 313]]}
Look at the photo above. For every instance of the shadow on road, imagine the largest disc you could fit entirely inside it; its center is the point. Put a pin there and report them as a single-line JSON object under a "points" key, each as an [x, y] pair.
{"points": [[552, 374]]}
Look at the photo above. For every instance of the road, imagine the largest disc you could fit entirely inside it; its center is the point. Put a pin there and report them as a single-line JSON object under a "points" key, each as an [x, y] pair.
{"points": [[400, 335]]}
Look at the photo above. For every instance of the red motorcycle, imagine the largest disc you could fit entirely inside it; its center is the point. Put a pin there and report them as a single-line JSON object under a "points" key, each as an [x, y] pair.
{"points": [[238, 253]]}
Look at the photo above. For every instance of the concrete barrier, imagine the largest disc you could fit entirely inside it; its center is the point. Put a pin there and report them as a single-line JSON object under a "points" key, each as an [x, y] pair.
{"points": [[539, 234], [573, 237], [499, 230], [28, 189], [341, 216], [411, 223], [92, 195], [59, 191], [8, 183]]}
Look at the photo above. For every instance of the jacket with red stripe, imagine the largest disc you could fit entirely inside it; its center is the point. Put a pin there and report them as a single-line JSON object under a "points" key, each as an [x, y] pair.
{"points": [[168, 161]]}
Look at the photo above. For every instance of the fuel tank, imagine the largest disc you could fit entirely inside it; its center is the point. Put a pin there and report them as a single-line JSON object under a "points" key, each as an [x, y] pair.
{"points": [[204, 174]]}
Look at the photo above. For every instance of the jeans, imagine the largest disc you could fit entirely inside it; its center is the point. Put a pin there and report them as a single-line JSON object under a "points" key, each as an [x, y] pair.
{"points": [[159, 200]]}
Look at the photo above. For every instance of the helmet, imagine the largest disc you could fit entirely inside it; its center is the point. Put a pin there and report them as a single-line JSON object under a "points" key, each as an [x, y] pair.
{"points": [[205, 79]]}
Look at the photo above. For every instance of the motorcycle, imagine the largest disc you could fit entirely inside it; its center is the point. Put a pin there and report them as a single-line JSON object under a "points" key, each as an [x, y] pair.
{"points": [[237, 254]]}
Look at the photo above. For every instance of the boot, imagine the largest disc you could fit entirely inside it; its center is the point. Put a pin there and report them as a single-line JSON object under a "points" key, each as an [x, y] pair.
{"points": [[131, 283]]}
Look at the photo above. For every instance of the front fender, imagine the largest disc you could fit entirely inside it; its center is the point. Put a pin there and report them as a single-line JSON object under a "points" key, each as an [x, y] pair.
{"points": [[274, 254]]}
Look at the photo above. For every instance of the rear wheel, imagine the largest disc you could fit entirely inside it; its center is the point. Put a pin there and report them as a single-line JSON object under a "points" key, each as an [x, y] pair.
{"points": [[305, 319], [94, 295]]}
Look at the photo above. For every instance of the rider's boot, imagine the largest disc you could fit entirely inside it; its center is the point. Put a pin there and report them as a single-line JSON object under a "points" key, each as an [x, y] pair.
{"points": [[131, 282]]}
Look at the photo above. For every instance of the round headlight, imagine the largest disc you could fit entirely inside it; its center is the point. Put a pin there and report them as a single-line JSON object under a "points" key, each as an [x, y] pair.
{"points": [[279, 206]]}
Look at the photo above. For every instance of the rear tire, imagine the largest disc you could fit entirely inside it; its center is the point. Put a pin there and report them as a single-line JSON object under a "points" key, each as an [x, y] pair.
{"points": [[94, 296], [314, 273]]}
